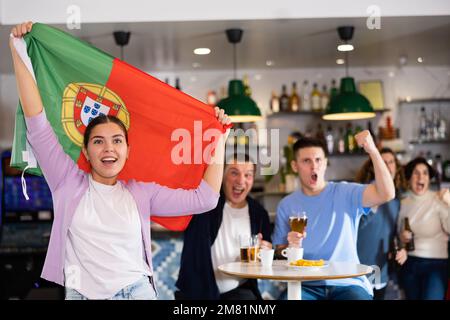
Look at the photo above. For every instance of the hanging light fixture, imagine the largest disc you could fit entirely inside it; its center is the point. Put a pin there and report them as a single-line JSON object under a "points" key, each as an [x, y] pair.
{"points": [[121, 38], [239, 107], [348, 104]]}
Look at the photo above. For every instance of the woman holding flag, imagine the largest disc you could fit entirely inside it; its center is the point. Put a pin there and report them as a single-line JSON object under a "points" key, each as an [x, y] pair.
{"points": [[100, 241]]}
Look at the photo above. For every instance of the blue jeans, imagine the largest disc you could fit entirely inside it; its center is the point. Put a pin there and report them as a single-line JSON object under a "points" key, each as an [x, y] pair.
{"points": [[332, 293], [424, 279], [140, 290]]}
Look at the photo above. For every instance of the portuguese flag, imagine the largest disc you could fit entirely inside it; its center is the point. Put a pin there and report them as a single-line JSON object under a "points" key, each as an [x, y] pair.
{"points": [[77, 82]]}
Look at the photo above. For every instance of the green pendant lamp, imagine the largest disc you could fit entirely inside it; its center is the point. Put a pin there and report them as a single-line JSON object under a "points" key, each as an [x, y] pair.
{"points": [[238, 106], [348, 104]]}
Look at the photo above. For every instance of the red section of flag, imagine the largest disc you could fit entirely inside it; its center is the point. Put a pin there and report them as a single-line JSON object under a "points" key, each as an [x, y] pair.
{"points": [[156, 110]]}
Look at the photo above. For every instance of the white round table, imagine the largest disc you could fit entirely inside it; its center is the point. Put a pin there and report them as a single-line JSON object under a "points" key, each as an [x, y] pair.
{"points": [[294, 277]]}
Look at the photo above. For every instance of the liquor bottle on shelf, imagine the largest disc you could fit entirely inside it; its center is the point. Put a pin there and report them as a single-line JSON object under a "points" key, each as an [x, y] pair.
{"points": [[274, 103], [435, 125], [166, 80], [284, 99], [410, 245], [315, 98], [222, 93], [324, 98], [341, 141], [442, 129], [349, 139], [390, 131], [320, 134], [330, 140], [211, 98], [294, 100], [177, 84], [423, 125], [429, 158], [358, 129], [306, 103], [247, 89], [333, 91], [438, 169]]}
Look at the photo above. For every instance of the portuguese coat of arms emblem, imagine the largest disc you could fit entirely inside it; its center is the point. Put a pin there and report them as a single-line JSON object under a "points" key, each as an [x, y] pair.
{"points": [[83, 102]]}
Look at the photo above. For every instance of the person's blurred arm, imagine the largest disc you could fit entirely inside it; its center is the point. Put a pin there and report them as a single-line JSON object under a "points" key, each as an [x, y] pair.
{"points": [[444, 214], [383, 190], [214, 173]]}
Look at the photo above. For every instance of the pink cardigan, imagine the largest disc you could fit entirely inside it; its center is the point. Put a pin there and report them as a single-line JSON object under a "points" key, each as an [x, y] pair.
{"points": [[68, 184]]}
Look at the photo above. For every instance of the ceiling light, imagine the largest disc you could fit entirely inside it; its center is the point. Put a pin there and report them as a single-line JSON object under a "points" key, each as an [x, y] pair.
{"points": [[345, 47], [269, 63], [238, 106], [202, 51], [403, 60], [348, 104], [419, 59], [340, 61]]}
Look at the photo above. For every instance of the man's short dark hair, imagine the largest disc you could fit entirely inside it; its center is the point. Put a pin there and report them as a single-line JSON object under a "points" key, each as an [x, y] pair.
{"points": [[308, 143], [244, 157]]}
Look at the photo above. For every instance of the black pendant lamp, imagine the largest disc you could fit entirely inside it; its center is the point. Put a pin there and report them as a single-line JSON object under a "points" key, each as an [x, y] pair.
{"points": [[348, 104], [121, 38], [239, 107]]}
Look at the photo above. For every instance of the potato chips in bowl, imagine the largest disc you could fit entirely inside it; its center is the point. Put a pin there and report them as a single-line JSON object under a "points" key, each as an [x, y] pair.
{"points": [[303, 263]]}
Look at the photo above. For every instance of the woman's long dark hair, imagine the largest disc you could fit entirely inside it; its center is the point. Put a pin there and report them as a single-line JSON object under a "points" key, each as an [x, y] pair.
{"points": [[367, 174]]}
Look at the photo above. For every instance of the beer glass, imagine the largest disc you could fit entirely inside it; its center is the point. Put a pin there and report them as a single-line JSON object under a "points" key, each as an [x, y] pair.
{"points": [[298, 223], [254, 248], [244, 241]]}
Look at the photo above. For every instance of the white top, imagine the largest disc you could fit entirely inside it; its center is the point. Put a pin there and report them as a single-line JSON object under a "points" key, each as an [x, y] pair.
{"points": [[429, 219], [104, 250], [226, 247]]}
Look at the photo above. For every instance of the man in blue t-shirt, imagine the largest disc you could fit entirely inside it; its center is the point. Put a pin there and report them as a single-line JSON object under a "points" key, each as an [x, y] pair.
{"points": [[333, 211]]}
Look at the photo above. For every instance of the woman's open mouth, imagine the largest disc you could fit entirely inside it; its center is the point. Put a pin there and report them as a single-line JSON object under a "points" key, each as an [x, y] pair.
{"points": [[108, 160], [420, 186]]}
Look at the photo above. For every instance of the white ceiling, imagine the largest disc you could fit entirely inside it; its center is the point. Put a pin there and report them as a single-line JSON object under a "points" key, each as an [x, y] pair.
{"points": [[290, 43]]}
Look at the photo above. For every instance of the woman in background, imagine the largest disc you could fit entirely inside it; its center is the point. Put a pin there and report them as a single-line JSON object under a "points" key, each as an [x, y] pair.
{"points": [[377, 230], [425, 274]]}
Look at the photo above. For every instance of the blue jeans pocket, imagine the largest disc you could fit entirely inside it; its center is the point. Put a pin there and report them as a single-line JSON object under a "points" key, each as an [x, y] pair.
{"points": [[142, 290], [72, 294]]}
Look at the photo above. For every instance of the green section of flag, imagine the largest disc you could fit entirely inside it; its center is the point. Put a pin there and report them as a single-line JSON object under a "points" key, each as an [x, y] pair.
{"points": [[58, 59]]}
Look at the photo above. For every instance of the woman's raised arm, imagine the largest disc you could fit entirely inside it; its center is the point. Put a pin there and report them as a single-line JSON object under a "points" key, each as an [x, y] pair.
{"points": [[28, 90]]}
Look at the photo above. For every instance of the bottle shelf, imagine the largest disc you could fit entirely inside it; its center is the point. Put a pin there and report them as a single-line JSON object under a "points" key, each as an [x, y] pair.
{"points": [[310, 113], [297, 113], [355, 154], [429, 141], [425, 100], [342, 155]]}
